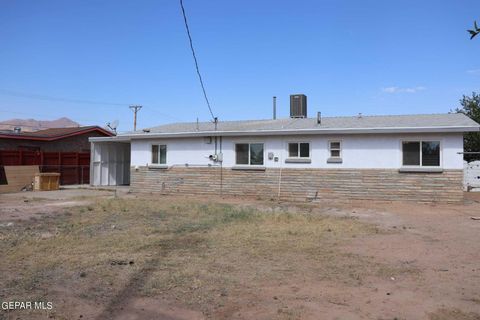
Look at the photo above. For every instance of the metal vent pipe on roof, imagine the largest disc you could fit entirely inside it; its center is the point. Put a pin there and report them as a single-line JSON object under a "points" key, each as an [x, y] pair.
{"points": [[17, 129], [274, 108], [319, 117]]}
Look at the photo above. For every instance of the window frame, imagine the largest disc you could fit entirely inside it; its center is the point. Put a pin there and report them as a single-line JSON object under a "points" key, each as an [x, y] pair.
{"points": [[298, 152], [159, 145], [249, 153], [340, 153], [420, 141]]}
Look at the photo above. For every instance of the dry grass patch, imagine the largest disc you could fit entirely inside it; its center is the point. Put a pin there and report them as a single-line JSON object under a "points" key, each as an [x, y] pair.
{"points": [[200, 254]]}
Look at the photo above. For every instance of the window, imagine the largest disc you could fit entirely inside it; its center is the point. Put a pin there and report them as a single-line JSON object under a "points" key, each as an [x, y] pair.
{"points": [[335, 148], [159, 154], [421, 153], [431, 153], [299, 150], [411, 153], [249, 154]]}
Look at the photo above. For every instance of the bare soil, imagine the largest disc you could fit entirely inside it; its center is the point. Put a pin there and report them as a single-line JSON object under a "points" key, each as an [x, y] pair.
{"points": [[95, 255]]}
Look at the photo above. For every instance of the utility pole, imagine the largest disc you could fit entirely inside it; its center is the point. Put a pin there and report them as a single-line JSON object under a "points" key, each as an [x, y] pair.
{"points": [[135, 109]]}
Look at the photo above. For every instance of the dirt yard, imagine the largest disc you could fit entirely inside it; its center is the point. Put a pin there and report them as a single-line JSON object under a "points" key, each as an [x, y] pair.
{"points": [[95, 255]]}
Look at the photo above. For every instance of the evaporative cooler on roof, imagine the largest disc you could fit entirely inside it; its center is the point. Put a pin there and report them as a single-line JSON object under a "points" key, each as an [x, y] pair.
{"points": [[298, 106]]}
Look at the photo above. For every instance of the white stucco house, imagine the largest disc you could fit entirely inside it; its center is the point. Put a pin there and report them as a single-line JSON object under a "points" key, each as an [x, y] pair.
{"points": [[402, 157]]}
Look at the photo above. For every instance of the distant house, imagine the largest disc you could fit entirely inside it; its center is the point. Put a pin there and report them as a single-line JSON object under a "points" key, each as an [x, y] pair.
{"points": [[63, 150], [73, 139], [403, 157]]}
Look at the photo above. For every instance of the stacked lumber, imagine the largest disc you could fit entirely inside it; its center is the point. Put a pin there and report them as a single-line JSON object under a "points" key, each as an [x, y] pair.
{"points": [[19, 178]]}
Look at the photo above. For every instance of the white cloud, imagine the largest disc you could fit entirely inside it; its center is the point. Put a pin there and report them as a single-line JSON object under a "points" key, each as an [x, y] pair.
{"points": [[403, 90], [473, 71]]}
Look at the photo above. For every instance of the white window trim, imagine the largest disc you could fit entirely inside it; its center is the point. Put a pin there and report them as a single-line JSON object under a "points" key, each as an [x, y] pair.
{"points": [[298, 156], [249, 143], [440, 141], [330, 149], [151, 155]]}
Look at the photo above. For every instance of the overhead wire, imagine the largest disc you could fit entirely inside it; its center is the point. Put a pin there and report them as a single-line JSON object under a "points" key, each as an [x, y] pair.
{"points": [[60, 99], [19, 125], [196, 62], [36, 96], [39, 115], [107, 103]]}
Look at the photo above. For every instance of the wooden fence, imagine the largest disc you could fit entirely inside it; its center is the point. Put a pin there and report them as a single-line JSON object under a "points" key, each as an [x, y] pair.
{"points": [[74, 167]]}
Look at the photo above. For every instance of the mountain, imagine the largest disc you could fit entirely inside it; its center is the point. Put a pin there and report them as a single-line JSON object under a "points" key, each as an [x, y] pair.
{"points": [[34, 125]]}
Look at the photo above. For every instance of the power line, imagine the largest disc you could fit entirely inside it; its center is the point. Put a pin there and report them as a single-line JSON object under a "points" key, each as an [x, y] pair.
{"points": [[51, 98], [24, 125], [196, 62], [69, 100], [41, 115]]}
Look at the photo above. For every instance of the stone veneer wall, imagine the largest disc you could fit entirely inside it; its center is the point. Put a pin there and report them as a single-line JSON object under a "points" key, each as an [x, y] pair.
{"points": [[303, 184]]}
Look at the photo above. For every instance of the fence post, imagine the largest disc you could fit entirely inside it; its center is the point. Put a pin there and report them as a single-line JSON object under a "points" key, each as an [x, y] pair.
{"points": [[77, 163], [60, 166]]}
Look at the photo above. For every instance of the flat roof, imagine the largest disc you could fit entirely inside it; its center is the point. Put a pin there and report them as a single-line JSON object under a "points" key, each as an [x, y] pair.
{"points": [[431, 123]]}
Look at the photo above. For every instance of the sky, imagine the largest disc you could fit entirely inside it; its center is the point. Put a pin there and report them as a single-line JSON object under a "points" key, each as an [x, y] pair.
{"points": [[89, 59]]}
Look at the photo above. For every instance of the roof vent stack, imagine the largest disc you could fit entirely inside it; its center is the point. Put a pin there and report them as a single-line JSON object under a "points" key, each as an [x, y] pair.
{"points": [[298, 106], [274, 108], [360, 116], [17, 130], [319, 117]]}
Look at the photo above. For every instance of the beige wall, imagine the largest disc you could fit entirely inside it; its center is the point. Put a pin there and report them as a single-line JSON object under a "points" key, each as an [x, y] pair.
{"points": [[303, 184]]}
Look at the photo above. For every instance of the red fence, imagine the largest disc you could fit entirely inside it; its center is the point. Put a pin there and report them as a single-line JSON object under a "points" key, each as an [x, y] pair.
{"points": [[74, 167]]}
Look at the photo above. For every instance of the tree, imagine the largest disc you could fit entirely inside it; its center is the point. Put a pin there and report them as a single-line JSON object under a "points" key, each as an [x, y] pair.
{"points": [[471, 140], [475, 31]]}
